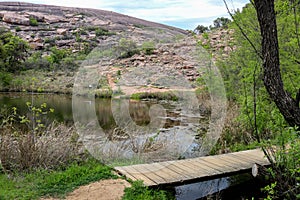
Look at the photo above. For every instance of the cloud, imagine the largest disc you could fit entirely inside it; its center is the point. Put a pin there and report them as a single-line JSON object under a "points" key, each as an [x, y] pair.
{"points": [[186, 14]]}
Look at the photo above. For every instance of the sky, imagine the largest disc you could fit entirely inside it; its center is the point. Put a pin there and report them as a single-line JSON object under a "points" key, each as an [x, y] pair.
{"points": [[185, 14]]}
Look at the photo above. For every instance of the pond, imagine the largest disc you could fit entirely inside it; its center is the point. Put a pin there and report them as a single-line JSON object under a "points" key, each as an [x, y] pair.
{"points": [[62, 105], [172, 127], [175, 121]]}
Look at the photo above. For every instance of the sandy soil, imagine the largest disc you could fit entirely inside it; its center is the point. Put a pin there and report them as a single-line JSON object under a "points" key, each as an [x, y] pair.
{"points": [[111, 189]]}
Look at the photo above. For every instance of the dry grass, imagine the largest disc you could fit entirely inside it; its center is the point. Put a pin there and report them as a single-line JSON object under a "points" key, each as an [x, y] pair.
{"points": [[57, 146], [233, 132]]}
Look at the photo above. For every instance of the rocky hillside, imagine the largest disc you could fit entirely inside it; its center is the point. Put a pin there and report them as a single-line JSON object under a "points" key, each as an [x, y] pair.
{"points": [[158, 47]]}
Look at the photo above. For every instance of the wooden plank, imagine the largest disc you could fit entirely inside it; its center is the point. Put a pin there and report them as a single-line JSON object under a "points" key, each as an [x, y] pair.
{"points": [[208, 165], [225, 166], [210, 168], [150, 175], [154, 172], [134, 175], [194, 168], [180, 172], [255, 154], [240, 162], [121, 170], [247, 158], [177, 166]]}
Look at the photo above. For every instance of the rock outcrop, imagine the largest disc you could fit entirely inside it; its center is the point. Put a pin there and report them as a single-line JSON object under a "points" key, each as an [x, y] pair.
{"points": [[76, 28]]}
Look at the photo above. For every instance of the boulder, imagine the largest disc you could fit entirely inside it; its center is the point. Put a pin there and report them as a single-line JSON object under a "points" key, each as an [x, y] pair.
{"points": [[2, 13], [61, 31], [61, 43], [36, 45], [99, 22], [39, 40], [14, 18], [36, 15], [54, 19]]}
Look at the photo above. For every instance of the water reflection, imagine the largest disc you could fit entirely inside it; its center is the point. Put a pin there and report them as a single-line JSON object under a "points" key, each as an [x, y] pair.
{"points": [[236, 187], [176, 129], [201, 189], [62, 104]]}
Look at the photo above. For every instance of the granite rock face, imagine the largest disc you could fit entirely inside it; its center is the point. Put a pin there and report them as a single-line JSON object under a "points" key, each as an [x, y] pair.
{"points": [[175, 50]]}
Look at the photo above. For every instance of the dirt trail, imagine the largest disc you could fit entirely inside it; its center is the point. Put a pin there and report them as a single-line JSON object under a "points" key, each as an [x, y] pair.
{"points": [[111, 189]]}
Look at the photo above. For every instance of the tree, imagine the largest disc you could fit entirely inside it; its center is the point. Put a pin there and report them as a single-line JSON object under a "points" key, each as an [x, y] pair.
{"points": [[288, 106], [201, 29], [13, 51], [221, 22]]}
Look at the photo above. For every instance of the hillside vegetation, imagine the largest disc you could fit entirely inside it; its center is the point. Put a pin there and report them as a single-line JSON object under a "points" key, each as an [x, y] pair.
{"points": [[258, 121]]}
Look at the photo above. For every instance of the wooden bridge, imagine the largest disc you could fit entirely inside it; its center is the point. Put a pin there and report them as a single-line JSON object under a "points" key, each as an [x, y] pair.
{"points": [[194, 169]]}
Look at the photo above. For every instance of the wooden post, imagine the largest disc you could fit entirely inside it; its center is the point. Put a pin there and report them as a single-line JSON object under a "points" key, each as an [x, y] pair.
{"points": [[255, 170]]}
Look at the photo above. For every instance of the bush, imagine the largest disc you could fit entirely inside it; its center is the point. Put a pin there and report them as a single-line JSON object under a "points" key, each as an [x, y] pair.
{"points": [[5, 79], [148, 47], [36, 63], [284, 174], [18, 29], [139, 192], [101, 32], [126, 48], [33, 21]]}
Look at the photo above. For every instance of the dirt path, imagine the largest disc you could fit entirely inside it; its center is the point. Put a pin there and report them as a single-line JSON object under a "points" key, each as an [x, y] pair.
{"points": [[111, 189]]}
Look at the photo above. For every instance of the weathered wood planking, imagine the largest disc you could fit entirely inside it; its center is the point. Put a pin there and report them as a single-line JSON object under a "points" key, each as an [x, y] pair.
{"points": [[176, 171]]}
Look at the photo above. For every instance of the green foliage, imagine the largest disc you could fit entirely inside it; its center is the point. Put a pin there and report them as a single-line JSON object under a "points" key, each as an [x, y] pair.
{"points": [[57, 55], [13, 51], [201, 29], [155, 95], [139, 192], [242, 72], [5, 79], [36, 61], [18, 29], [102, 32], [126, 48], [52, 183], [33, 21], [284, 175], [269, 189], [148, 47], [221, 22], [74, 176], [258, 116]]}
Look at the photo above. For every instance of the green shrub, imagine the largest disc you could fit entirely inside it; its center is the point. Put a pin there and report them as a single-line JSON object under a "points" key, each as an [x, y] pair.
{"points": [[139, 192], [155, 95], [101, 32], [148, 47], [58, 54], [18, 28], [284, 174], [33, 21], [5, 78], [126, 48]]}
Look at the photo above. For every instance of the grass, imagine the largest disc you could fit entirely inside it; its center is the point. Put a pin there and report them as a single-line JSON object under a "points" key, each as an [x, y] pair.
{"points": [[58, 183], [155, 95], [139, 192]]}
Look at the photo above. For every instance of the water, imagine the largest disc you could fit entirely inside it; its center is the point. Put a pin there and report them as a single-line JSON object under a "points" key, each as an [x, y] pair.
{"points": [[62, 104], [242, 186], [223, 188], [176, 135]]}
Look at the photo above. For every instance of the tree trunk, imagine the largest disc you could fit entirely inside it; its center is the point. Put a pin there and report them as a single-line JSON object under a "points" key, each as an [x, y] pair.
{"points": [[288, 106]]}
